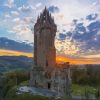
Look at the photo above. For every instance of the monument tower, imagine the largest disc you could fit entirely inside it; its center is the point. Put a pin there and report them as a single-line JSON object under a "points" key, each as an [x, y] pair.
{"points": [[44, 36], [45, 72], [44, 50]]}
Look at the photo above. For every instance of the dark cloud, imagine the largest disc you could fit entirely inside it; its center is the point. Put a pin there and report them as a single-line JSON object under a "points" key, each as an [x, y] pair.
{"points": [[53, 9], [94, 26], [62, 36], [80, 28], [92, 16]]}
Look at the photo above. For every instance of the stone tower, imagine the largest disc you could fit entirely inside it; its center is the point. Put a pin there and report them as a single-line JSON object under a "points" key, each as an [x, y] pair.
{"points": [[44, 36], [44, 50], [45, 72]]}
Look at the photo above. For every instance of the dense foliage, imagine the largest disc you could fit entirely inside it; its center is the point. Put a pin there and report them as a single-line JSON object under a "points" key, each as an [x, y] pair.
{"points": [[90, 75], [11, 79]]}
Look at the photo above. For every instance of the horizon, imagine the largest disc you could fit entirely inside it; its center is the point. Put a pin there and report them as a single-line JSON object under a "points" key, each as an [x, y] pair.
{"points": [[59, 59]]}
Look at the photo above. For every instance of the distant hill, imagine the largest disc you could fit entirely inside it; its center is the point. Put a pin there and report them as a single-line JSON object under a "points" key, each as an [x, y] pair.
{"points": [[4, 52], [8, 63], [8, 44]]}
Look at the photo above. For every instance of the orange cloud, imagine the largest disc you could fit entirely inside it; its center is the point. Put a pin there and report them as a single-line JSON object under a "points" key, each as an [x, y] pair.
{"points": [[14, 53], [92, 56], [60, 59]]}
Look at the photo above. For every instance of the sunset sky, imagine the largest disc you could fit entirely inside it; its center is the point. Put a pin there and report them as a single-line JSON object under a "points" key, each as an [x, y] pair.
{"points": [[78, 25]]}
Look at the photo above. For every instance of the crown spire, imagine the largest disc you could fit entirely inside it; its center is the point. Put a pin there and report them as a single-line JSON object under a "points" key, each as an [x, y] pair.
{"points": [[45, 19]]}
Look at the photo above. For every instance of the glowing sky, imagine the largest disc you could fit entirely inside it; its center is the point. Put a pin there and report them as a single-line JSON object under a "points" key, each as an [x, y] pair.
{"points": [[78, 23], [59, 59]]}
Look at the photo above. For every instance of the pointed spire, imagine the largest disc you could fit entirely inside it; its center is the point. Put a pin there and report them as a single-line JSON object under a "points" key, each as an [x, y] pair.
{"points": [[53, 19], [50, 14], [38, 19], [45, 8]]}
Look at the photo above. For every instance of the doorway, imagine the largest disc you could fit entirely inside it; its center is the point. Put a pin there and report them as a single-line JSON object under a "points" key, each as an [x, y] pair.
{"points": [[49, 85]]}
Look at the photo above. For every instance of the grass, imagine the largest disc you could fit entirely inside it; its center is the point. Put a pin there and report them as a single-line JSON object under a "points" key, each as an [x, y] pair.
{"points": [[80, 89]]}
